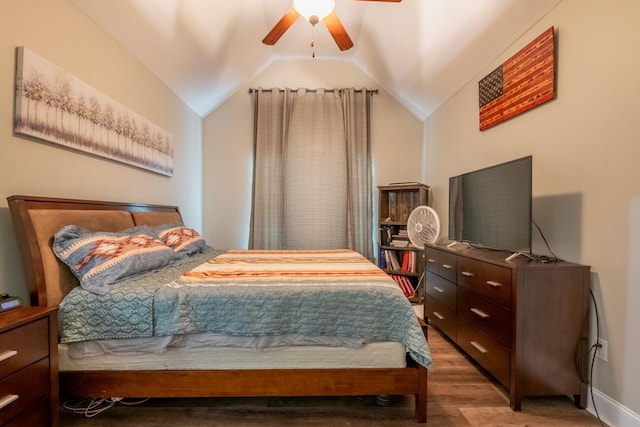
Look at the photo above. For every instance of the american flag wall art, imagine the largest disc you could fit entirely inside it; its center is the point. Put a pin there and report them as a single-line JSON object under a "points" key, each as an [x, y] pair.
{"points": [[522, 82]]}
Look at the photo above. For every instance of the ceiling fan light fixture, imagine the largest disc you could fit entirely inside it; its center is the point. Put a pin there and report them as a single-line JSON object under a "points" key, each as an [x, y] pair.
{"points": [[314, 11], [314, 8]]}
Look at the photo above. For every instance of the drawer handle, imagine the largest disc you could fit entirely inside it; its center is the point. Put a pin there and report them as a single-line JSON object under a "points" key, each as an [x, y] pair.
{"points": [[7, 355], [438, 315], [479, 313], [431, 260], [494, 284], [467, 274], [447, 266], [480, 348], [8, 400], [437, 289]]}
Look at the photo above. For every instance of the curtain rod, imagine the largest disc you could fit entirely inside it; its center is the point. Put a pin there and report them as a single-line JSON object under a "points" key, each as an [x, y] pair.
{"points": [[373, 91]]}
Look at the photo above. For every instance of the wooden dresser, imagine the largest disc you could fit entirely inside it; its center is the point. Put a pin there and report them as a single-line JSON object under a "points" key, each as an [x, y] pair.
{"points": [[523, 321], [29, 367]]}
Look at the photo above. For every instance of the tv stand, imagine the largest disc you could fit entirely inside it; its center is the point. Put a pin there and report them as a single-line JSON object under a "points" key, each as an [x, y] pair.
{"points": [[517, 254]]}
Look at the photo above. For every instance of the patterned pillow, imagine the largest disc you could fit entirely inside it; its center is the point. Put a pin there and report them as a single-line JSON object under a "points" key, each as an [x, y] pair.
{"points": [[182, 239], [101, 259]]}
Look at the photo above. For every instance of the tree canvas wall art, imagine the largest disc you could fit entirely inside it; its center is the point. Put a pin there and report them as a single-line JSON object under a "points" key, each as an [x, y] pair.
{"points": [[55, 106]]}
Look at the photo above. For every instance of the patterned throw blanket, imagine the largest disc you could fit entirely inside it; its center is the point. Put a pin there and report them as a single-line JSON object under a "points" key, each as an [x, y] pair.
{"points": [[258, 293]]}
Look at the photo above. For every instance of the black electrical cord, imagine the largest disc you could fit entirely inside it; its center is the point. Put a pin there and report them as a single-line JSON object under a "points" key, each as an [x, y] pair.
{"points": [[555, 258], [591, 360], [594, 347]]}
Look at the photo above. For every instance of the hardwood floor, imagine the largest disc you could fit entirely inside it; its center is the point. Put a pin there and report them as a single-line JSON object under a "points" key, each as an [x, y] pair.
{"points": [[459, 396]]}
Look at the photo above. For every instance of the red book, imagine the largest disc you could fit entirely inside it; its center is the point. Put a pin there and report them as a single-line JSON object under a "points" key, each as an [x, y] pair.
{"points": [[404, 284], [409, 292], [405, 260]]}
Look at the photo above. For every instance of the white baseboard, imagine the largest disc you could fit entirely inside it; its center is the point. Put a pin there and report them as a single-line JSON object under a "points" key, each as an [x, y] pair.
{"points": [[611, 412]]}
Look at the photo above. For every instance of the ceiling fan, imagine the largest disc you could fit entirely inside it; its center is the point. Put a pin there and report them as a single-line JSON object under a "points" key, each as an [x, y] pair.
{"points": [[315, 11]]}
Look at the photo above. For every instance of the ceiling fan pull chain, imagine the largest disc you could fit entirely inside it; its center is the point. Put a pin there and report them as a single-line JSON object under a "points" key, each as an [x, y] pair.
{"points": [[313, 44]]}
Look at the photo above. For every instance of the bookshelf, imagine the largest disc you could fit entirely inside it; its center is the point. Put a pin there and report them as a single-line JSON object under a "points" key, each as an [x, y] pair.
{"points": [[396, 255]]}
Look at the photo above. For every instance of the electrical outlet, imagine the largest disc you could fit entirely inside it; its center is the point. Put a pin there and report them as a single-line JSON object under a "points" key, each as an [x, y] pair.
{"points": [[602, 351]]}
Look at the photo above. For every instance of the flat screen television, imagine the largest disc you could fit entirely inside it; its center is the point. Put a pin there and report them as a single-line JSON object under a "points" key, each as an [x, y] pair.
{"points": [[491, 207]]}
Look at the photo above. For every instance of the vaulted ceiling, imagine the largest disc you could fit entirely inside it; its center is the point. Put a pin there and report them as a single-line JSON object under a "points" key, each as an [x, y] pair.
{"points": [[421, 51]]}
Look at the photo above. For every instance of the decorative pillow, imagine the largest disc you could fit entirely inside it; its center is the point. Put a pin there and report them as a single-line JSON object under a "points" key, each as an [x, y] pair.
{"points": [[181, 238], [101, 259]]}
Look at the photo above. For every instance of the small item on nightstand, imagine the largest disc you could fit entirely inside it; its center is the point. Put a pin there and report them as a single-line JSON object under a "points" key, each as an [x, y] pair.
{"points": [[8, 302]]}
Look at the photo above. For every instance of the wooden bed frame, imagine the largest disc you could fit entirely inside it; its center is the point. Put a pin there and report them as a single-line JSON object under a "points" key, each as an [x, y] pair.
{"points": [[37, 219]]}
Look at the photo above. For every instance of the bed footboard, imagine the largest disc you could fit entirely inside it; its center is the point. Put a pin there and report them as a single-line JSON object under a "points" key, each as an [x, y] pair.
{"points": [[250, 383]]}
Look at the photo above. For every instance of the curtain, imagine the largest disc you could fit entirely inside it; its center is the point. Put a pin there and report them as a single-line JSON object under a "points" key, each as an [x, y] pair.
{"points": [[357, 118], [271, 111], [312, 170]]}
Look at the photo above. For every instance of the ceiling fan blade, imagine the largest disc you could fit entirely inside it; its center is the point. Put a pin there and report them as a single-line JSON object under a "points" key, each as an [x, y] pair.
{"points": [[283, 25], [337, 31]]}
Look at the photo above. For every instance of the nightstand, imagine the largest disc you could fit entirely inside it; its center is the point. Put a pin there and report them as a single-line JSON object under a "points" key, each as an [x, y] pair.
{"points": [[29, 367]]}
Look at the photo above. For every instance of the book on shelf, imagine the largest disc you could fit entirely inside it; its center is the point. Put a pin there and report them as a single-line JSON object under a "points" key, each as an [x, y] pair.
{"points": [[400, 239], [385, 235], [403, 243], [404, 284], [412, 261], [396, 259], [382, 259], [405, 261], [399, 243], [392, 260]]}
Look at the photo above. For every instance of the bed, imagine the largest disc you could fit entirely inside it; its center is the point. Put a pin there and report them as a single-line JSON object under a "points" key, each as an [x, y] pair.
{"points": [[225, 372]]}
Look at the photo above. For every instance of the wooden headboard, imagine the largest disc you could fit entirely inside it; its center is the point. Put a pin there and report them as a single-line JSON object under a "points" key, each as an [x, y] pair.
{"points": [[37, 219]]}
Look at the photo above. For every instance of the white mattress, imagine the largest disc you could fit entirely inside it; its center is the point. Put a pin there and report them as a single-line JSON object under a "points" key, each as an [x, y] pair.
{"points": [[369, 355]]}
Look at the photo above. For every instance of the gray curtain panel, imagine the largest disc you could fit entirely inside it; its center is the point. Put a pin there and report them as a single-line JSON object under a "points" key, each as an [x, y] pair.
{"points": [[312, 186]]}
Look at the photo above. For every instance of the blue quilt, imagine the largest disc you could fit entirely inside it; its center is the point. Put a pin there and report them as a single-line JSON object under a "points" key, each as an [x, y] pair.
{"points": [[252, 293]]}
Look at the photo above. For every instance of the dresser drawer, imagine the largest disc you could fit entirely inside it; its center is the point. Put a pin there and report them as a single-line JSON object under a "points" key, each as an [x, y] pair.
{"points": [[441, 289], [489, 280], [23, 345], [492, 319], [30, 385], [440, 316], [442, 263], [488, 353]]}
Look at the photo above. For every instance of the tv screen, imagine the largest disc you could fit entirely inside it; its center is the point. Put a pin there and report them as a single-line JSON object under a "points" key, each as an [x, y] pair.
{"points": [[491, 207]]}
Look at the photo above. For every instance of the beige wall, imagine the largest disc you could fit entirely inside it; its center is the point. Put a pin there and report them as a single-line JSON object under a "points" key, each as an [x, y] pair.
{"points": [[586, 183], [228, 146], [59, 32]]}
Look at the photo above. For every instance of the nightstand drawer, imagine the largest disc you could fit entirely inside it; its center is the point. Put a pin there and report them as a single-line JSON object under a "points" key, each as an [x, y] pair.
{"points": [[491, 281], [488, 353], [23, 345], [37, 415], [30, 385]]}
